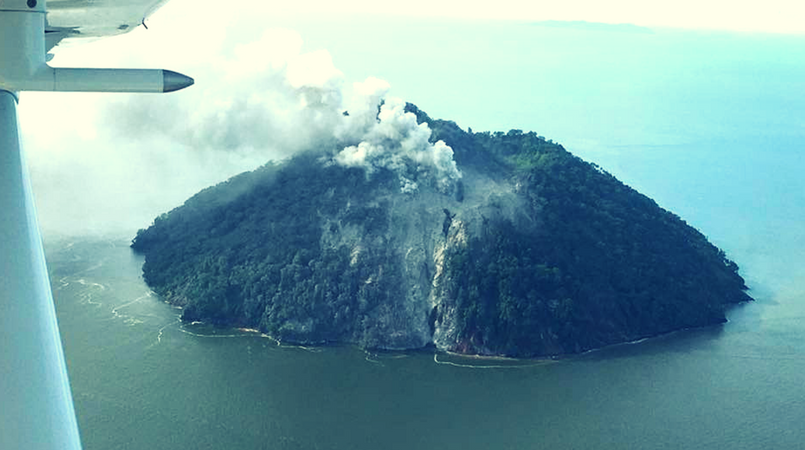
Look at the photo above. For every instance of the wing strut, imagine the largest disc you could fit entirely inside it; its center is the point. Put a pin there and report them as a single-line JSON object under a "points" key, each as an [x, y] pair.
{"points": [[37, 407]]}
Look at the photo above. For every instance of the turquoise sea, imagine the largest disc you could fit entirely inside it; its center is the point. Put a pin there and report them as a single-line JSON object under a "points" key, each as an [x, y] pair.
{"points": [[710, 125]]}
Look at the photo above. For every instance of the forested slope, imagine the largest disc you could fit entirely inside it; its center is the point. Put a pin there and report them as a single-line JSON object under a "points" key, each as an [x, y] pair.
{"points": [[531, 252]]}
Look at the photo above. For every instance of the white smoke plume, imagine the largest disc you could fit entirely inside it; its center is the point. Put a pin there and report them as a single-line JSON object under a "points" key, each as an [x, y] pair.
{"points": [[396, 142], [271, 100], [266, 98], [111, 163]]}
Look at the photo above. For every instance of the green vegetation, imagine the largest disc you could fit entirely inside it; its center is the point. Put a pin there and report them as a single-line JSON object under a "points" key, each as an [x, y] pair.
{"points": [[603, 264], [246, 252], [306, 251]]}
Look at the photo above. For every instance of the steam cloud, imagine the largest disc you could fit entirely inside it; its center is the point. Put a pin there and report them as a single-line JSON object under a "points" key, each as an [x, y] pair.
{"points": [[262, 99], [279, 101], [396, 142], [110, 164]]}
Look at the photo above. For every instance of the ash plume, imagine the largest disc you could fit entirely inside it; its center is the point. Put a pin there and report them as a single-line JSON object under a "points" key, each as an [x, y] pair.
{"points": [[289, 101], [115, 162], [396, 142]]}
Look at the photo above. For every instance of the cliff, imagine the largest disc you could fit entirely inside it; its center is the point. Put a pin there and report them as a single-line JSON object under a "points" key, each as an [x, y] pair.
{"points": [[484, 243]]}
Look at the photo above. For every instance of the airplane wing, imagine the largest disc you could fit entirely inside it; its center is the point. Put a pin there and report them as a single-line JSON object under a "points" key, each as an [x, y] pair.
{"points": [[67, 19], [30, 29], [36, 405]]}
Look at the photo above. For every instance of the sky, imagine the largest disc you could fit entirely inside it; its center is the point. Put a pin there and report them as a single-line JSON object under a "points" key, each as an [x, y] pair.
{"points": [[110, 163], [773, 16]]}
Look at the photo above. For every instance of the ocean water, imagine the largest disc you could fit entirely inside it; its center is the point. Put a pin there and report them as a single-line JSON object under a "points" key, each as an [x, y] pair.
{"points": [[710, 125]]}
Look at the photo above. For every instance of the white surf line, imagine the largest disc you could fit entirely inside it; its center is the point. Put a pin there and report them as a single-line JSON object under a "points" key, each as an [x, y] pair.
{"points": [[63, 283], [292, 346], [161, 330], [132, 321], [86, 298], [213, 335], [84, 282], [369, 356], [473, 366], [246, 333], [138, 299], [302, 347], [375, 358]]}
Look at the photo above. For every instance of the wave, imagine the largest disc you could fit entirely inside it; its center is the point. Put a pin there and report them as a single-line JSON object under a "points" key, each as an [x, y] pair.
{"points": [[514, 363]]}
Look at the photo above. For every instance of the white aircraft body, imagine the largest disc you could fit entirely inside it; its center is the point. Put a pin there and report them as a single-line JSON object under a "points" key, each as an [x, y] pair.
{"points": [[36, 406]]}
